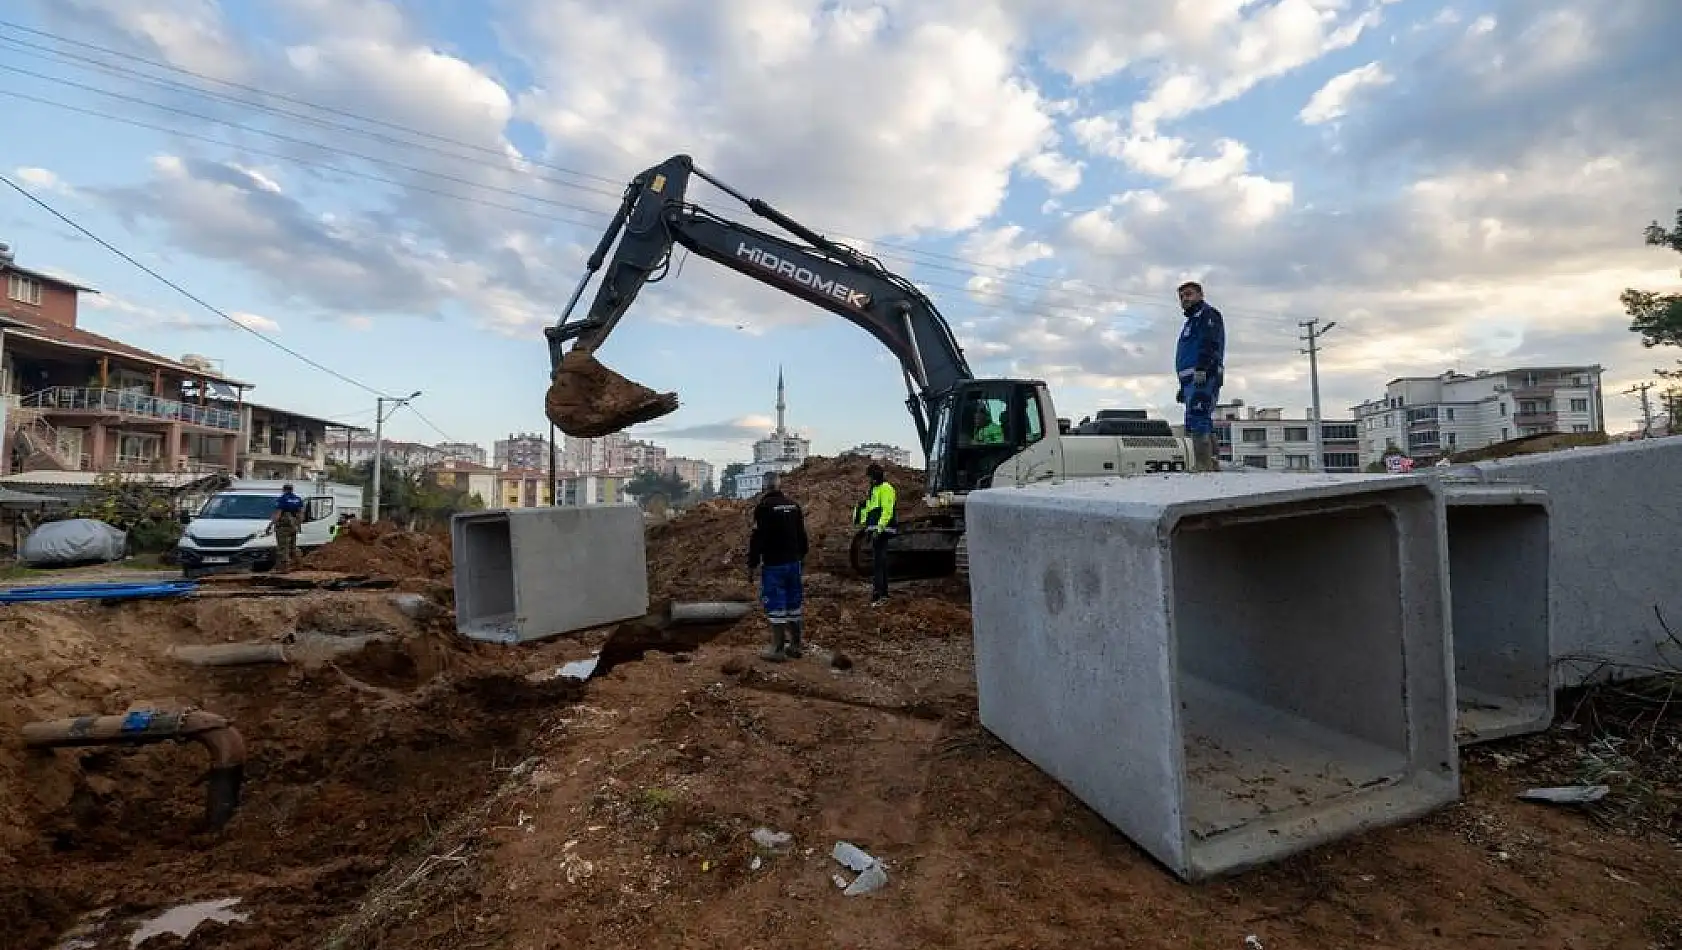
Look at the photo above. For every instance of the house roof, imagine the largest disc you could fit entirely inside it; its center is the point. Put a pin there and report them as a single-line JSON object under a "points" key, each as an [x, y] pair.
{"points": [[331, 423], [49, 278], [56, 334]]}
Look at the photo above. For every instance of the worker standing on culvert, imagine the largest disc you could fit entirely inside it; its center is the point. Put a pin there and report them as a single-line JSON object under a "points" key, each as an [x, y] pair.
{"points": [[876, 514], [1200, 363], [777, 548], [288, 517]]}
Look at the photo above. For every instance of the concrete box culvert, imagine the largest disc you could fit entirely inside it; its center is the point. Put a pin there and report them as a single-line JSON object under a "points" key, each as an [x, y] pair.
{"points": [[525, 574], [1499, 548], [1228, 667]]}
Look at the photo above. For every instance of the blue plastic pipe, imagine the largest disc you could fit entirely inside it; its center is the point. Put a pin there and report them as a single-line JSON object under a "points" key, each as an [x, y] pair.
{"points": [[111, 591]]}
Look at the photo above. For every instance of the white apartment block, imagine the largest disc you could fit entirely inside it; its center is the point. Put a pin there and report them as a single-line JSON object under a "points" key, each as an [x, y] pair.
{"points": [[752, 479], [881, 452], [400, 454], [1429, 417], [1264, 438], [694, 472], [463, 452]]}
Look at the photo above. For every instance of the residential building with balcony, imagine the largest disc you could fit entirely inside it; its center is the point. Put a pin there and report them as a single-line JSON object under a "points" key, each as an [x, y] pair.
{"points": [[694, 472], [522, 488], [463, 452], [280, 443], [468, 477], [1431, 417], [520, 451], [79, 401], [881, 452], [579, 490], [1263, 438]]}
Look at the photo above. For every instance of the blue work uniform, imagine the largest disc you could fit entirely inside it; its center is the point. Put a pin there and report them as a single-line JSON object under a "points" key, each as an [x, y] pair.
{"points": [[289, 503], [777, 547], [1202, 346]]}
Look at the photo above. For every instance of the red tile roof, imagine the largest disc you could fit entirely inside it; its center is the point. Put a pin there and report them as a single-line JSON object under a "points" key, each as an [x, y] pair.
{"points": [[45, 331]]}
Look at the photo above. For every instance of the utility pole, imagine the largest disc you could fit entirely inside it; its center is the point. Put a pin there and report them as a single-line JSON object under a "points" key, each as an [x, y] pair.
{"points": [[1646, 407], [379, 445], [1312, 336]]}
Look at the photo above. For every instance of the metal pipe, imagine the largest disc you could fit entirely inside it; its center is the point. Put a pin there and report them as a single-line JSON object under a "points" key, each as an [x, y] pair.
{"points": [[304, 646], [717, 611], [147, 726]]}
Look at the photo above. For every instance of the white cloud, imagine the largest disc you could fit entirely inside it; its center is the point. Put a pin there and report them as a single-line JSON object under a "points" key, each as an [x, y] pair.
{"points": [[255, 321], [41, 178], [1332, 100]]}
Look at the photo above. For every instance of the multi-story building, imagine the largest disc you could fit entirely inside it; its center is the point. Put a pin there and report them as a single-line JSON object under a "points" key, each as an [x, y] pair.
{"points": [[694, 472], [591, 489], [608, 453], [521, 450], [280, 443], [468, 477], [1264, 438], [462, 452], [359, 450], [781, 451], [523, 488], [1429, 417], [881, 452], [646, 455], [77, 401]]}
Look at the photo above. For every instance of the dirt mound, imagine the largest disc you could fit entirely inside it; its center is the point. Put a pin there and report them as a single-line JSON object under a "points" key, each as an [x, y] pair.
{"points": [[702, 553], [587, 400], [383, 549]]}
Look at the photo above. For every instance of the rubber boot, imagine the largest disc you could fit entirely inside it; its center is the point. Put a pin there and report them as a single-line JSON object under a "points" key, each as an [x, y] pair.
{"points": [[1214, 442], [1200, 454], [774, 652], [796, 631]]}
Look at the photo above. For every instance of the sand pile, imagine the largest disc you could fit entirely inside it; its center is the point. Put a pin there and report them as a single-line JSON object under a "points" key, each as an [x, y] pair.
{"points": [[383, 549], [703, 553]]}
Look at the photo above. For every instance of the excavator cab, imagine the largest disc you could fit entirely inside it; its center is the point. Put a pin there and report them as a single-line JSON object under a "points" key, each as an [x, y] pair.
{"points": [[978, 426]]}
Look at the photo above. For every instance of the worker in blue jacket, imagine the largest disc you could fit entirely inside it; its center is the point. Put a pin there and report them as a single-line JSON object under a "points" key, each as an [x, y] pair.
{"points": [[1199, 364]]}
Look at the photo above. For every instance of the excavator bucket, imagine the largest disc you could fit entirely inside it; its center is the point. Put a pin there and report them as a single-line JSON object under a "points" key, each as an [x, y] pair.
{"points": [[587, 400]]}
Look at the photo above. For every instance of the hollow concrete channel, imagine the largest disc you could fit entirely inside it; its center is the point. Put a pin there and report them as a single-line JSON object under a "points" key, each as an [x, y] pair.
{"points": [[270, 787]]}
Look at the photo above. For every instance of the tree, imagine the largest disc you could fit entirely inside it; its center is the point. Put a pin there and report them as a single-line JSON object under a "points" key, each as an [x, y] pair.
{"points": [[648, 483], [707, 489], [727, 480], [1657, 317]]}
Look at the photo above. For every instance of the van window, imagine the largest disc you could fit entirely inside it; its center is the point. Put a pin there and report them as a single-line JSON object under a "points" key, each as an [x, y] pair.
{"points": [[318, 508], [239, 506]]}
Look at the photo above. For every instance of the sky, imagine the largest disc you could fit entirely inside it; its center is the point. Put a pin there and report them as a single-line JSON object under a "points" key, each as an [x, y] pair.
{"points": [[407, 193]]}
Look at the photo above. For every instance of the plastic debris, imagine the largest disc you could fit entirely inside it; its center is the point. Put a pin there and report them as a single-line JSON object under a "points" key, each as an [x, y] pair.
{"points": [[771, 840], [182, 921], [871, 875], [1567, 794], [1252, 942]]}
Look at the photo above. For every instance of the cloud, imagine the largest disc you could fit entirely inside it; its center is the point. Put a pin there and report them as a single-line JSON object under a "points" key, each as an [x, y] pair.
{"points": [[1332, 100], [741, 429], [256, 322]]}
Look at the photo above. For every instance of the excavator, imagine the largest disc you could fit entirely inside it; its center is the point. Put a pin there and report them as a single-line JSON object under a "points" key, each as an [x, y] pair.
{"points": [[975, 433]]}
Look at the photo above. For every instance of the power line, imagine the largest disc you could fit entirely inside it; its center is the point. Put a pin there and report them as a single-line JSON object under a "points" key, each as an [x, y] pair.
{"points": [[971, 266], [182, 290]]}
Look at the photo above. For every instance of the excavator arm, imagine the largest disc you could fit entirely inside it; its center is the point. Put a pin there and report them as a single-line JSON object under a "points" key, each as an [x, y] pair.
{"points": [[586, 399]]}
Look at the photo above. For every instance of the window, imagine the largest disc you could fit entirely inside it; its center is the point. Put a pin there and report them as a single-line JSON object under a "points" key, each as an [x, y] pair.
{"points": [[1503, 412], [1451, 438], [1503, 435], [1296, 434], [1255, 461], [1035, 425], [1256, 437], [1448, 415], [1579, 427], [1579, 405], [1342, 461], [23, 290], [318, 508], [1296, 463]]}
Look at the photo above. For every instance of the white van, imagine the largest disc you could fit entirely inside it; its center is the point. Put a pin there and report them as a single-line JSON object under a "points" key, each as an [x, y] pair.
{"points": [[233, 531]]}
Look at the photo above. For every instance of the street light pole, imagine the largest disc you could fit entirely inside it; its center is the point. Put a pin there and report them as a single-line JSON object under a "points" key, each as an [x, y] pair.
{"points": [[1312, 338], [379, 445]]}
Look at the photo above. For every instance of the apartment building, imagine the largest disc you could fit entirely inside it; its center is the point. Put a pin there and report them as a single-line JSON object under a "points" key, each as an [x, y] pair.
{"points": [[1429, 417], [467, 477], [521, 450], [77, 401], [523, 488], [591, 489], [1263, 438], [280, 443], [881, 452], [359, 450], [463, 452], [694, 472]]}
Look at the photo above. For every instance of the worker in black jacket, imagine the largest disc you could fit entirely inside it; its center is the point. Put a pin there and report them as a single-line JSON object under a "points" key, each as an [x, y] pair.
{"points": [[776, 548]]}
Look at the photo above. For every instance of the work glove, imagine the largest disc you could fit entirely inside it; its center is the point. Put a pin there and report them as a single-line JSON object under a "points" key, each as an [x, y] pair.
{"points": [[1199, 377], [1180, 394]]}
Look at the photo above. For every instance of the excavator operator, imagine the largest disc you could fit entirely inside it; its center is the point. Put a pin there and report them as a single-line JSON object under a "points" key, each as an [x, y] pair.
{"points": [[984, 430]]}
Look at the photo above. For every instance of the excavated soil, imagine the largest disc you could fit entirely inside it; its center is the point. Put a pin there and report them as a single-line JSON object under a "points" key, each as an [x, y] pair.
{"points": [[436, 795], [587, 400], [383, 549]]}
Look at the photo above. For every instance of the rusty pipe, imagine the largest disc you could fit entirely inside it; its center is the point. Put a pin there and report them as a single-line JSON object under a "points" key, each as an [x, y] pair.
{"points": [[147, 726]]}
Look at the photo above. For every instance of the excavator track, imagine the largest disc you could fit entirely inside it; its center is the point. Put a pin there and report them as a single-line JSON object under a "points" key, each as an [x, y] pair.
{"points": [[923, 548]]}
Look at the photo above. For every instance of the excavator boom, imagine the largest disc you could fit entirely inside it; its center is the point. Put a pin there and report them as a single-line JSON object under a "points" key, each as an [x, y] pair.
{"points": [[586, 399]]}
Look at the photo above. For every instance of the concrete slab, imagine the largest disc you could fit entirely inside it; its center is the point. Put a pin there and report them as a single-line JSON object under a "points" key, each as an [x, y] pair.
{"points": [[1229, 668], [1498, 552], [1613, 567], [524, 574]]}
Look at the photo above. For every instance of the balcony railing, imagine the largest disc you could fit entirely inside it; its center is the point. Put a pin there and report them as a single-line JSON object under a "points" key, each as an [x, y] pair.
{"points": [[128, 402], [1535, 418], [277, 448]]}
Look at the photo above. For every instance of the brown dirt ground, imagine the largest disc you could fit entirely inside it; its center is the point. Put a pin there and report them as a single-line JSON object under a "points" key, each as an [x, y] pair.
{"points": [[434, 795], [383, 549]]}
